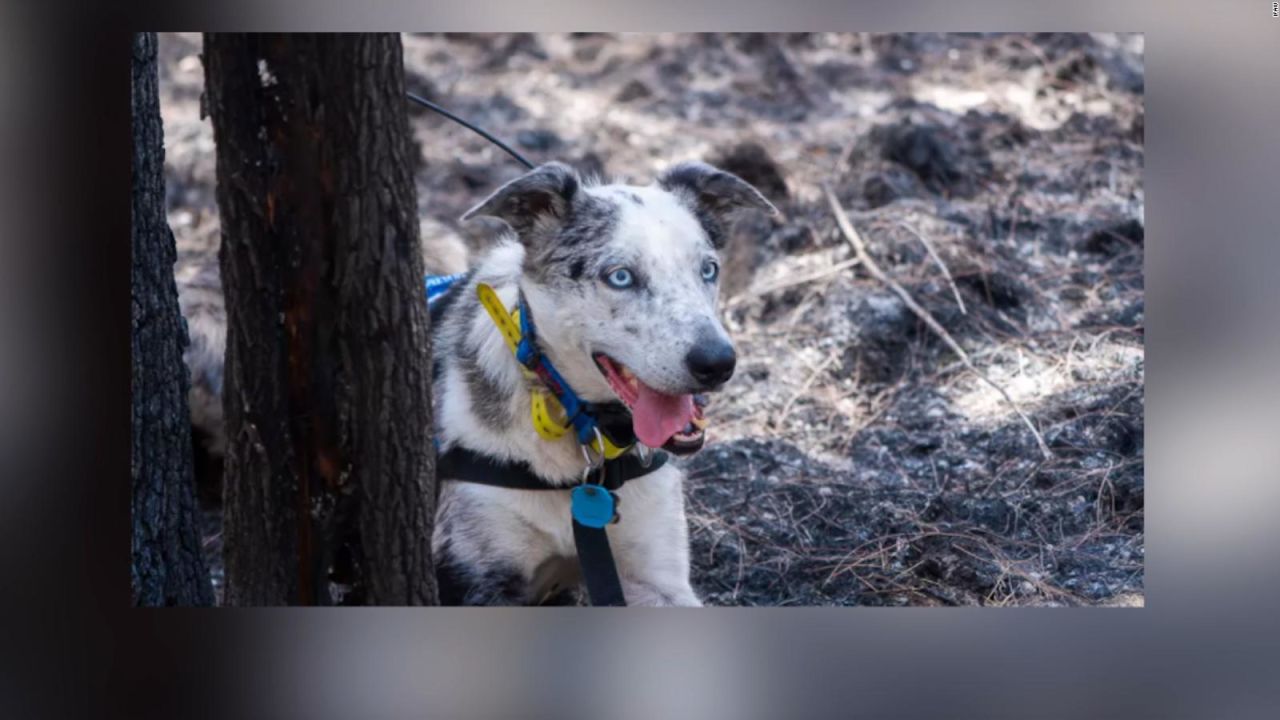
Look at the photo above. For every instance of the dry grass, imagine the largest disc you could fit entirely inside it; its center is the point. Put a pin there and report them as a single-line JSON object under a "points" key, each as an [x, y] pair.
{"points": [[946, 411], [860, 250]]}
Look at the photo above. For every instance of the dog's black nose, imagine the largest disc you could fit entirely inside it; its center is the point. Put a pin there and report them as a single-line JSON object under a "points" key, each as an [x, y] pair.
{"points": [[711, 363]]}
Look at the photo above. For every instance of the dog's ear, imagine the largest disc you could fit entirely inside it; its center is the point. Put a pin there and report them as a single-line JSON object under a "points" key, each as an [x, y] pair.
{"points": [[713, 191], [543, 193]]}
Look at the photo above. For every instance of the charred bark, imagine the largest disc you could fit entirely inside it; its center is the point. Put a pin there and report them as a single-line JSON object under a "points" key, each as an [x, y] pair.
{"points": [[329, 468], [167, 564]]}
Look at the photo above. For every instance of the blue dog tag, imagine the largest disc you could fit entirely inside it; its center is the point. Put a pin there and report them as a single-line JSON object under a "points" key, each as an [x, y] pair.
{"points": [[592, 506]]}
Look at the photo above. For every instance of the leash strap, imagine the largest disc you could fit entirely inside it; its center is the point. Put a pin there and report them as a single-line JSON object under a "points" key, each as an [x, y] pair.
{"points": [[599, 572], [498, 313]]}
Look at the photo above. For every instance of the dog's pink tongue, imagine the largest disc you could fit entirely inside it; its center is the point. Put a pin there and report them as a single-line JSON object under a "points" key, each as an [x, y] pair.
{"points": [[656, 417]]}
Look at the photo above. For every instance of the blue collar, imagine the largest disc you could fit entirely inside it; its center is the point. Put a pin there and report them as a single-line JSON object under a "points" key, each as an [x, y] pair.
{"points": [[613, 420]]}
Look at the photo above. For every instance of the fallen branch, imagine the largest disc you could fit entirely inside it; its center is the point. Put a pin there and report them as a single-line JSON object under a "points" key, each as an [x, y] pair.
{"points": [[938, 261], [860, 252]]}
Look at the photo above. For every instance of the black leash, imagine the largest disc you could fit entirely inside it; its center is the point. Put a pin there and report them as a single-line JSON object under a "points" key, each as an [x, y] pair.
{"points": [[595, 559], [473, 128]]}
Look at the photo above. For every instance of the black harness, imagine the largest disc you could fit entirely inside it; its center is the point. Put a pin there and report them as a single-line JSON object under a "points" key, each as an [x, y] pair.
{"points": [[595, 558]]}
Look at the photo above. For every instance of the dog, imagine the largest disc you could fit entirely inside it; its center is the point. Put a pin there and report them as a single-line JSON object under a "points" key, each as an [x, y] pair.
{"points": [[622, 282]]}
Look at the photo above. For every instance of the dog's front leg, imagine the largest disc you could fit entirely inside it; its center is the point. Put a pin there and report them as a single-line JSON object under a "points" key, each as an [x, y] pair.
{"points": [[645, 593], [651, 542]]}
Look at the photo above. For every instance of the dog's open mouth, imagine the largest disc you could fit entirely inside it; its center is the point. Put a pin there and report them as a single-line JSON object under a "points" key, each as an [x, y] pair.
{"points": [[671, 422]]}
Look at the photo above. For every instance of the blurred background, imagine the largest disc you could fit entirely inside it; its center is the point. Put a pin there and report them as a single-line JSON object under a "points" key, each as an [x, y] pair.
{"points": [[854, 458]]}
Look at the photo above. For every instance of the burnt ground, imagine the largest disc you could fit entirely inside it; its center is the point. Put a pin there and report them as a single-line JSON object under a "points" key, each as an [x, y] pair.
{"points": [[855, 460]]}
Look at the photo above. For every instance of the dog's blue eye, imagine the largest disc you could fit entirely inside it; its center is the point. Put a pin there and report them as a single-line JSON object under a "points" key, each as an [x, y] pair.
{"points": [[620, 278], [710, 270]]}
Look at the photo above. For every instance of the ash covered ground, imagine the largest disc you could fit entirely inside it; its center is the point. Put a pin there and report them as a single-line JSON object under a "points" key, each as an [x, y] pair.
{"points": [[855, 460]]}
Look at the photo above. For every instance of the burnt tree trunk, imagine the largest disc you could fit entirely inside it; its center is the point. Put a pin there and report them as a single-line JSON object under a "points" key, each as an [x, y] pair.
{"points": [[330, 479], [167, 567]]}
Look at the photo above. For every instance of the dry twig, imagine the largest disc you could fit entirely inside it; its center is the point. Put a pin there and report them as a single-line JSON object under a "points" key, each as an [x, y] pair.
{"points": [[860, 252], [786, 409], [792, 282], [938, 261]]}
